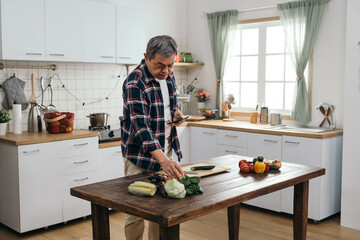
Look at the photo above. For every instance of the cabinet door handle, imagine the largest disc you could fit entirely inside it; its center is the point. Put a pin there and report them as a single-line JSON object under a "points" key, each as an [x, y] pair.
{"points": [[292, 142], [272, 141], [81, 162], [107, 57], [232, 136], [80, 144], [210, 133], [57, 54], [81, 179], [37, 150], [228, 151], [37, 54], [125, 57]]}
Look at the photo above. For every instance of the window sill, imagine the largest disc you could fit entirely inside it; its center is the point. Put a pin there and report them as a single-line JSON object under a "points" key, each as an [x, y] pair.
{"points": [[247, 114]]}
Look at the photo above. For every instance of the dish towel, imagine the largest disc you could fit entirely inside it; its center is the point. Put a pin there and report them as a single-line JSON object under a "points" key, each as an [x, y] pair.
{"points": [[14, 93]]}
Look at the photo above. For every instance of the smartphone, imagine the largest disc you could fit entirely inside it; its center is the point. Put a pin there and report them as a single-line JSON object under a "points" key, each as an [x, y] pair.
{"points": [[178, 120]]}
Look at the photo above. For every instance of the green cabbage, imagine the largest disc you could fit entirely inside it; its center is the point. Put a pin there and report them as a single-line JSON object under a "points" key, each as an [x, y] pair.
{"points": [[175, 189]]}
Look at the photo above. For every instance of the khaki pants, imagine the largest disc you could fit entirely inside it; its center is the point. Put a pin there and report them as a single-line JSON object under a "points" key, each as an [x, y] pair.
{"points": [[134, 226]]}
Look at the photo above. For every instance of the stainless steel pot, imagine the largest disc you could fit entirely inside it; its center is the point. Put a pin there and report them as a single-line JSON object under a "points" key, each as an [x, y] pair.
{"points": [[98, 119]]}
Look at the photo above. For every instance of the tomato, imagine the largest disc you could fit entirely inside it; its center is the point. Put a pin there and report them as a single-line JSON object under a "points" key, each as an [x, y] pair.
{"points": [[55, 130], [70, 122], [251, 168], [55, 124], [245, 168], [243, 165], [243, 161]]}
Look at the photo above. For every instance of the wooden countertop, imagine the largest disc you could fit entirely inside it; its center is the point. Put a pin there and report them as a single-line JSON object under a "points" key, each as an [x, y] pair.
{"points": [[260, 128], [43, 137], [110, 144]]}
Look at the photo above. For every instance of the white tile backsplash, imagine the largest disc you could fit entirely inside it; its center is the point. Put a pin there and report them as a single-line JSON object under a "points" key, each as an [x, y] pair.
{"points": [[88, 82]]}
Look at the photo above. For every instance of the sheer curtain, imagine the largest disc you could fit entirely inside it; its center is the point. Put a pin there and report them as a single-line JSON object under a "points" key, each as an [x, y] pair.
{"points": [[222, 27], [300, 21]]}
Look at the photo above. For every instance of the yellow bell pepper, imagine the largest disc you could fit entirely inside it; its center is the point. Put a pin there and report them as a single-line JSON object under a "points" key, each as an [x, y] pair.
{"points": [[259, 167]]}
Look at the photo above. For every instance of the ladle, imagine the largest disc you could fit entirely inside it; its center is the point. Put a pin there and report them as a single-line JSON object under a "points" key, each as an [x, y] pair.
{"points": [[51, 107]]}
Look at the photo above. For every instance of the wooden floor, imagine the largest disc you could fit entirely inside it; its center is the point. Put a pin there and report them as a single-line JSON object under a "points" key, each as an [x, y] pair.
{"points": [[255, 224]]}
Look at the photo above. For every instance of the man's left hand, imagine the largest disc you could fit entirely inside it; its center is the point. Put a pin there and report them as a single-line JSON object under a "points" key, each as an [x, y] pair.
{"points": [[177, 116]]}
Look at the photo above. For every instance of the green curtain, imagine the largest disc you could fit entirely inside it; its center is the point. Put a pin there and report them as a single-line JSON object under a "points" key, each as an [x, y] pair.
{"points": [[222, 28], [300, 21]]}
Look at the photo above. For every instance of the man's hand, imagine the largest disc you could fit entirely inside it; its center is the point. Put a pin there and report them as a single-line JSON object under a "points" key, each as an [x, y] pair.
{"points": [[177, 116], [172, 169]]}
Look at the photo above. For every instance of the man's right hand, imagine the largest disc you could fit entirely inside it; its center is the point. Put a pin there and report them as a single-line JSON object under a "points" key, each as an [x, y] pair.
{"points": [[171, 168]]}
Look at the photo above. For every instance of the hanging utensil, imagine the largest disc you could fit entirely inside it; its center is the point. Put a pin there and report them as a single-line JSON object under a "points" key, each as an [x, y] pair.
{"points": [[42, 106], [51, 107]]}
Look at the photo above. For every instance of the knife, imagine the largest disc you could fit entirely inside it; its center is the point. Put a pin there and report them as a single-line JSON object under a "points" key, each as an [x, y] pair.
{"points": [[191, 172]]}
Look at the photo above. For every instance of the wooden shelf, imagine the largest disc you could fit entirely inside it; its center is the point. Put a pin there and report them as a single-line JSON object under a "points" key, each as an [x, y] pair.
{"points": [[185, 64]]}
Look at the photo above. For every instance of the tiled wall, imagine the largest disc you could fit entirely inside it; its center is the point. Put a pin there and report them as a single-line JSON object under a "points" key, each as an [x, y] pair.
{"points": [[91, 83]]}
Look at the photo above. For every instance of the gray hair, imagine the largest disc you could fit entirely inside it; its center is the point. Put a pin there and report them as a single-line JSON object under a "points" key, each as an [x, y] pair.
{"points": [[163, 45]]}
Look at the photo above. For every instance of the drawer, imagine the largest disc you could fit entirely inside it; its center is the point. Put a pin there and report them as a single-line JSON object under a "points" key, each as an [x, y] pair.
{"points": [[226, 150], [232, 138], [79, 164], [74, 207], [78, 147], [40, 151]]}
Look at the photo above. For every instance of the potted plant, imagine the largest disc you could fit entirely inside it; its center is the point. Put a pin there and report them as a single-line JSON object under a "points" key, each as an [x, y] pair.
{"points": [[202, 97], [4, 118]]}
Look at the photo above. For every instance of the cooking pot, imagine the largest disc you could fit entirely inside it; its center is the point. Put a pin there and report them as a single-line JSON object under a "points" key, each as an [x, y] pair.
{"points": [[98, 119]]}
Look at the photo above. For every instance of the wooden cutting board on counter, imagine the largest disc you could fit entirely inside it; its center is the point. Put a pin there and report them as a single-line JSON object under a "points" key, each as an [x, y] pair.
{"points": [[202, 173], [194, 118]]}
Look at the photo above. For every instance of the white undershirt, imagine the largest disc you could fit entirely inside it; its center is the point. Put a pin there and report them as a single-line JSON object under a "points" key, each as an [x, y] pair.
{"points": [[167, 114]]}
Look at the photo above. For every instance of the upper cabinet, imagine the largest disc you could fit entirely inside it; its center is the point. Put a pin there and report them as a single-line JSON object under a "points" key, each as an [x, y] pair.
{"points": [[64, 30], [22, 30], [73, 31], [130, 39], [99, 32]]}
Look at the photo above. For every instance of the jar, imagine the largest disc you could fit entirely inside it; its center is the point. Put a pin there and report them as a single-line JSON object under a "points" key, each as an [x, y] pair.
{"points": [[187, 57]]}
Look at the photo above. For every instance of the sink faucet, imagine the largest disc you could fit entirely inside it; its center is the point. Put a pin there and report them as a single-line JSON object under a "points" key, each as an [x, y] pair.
{"points": [[331, 109]]}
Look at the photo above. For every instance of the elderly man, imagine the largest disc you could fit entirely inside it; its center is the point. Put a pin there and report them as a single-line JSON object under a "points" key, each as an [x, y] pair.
{"points": [[148, 137]]}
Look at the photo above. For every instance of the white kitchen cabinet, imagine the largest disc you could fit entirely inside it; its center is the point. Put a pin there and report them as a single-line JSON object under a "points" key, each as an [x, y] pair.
{"points": [[324, 191], [232, 142], [184, 139], [22, 30], [203, 143], [111, 163], [64, 30], [269, 146], [131, 31], [35, 182], [99, 32]]}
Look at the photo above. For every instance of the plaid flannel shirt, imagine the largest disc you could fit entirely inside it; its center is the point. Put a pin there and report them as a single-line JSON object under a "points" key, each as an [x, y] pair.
{"points": [[143, 124]]}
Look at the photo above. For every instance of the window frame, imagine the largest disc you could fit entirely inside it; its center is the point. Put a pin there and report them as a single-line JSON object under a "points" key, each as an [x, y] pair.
{"points": [[309, 75]]}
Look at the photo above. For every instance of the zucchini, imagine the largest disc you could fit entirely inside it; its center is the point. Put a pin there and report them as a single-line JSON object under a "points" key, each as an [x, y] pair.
{"points": [[207, 167], [272, 167], [141, 188]]}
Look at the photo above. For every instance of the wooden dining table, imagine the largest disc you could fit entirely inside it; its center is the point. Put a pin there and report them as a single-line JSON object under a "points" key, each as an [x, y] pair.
{"points": [[223, 190]]}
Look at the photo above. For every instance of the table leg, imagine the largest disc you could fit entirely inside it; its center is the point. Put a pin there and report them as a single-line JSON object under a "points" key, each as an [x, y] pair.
{"points": [[100, 222], [233, 213], [169, 233], [301, 193]]}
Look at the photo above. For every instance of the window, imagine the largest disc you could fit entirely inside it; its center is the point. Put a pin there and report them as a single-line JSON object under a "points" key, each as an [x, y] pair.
{"points": [[259, 69]]}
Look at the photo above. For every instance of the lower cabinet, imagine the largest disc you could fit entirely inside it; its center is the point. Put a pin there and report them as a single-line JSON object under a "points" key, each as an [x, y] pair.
{"points": [[35, 180], [269, 146], [203, 142], [111, 164], [184, 139]]}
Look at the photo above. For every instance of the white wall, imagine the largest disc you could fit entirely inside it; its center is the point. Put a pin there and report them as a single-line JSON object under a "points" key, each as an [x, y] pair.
{"points": [[328, 65], [350, 211]]}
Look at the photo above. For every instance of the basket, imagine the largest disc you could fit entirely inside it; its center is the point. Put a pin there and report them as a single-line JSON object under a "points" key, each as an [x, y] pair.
{"points": [[59, 122]]}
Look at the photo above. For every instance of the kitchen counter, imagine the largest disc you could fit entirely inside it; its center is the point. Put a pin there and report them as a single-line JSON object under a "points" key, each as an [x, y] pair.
{"points": [[261, 128], [110, 144], [43, 137]]}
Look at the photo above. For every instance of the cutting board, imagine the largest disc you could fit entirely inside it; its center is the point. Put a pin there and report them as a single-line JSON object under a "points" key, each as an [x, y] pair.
{"points": [[195, 118], [203, 173]]}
